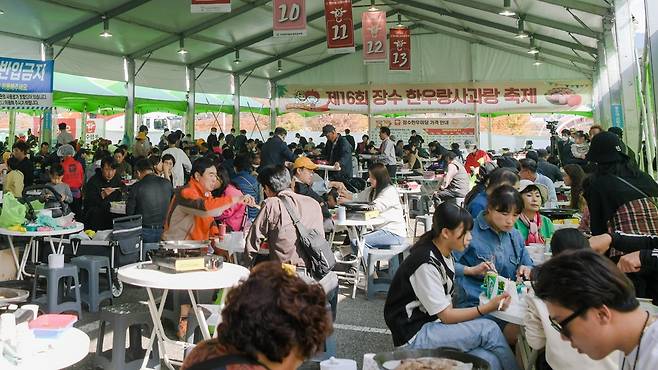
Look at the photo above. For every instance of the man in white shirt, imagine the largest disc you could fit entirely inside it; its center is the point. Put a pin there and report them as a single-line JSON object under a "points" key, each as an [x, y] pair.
{"points": [[182, 161], [387, 151], [63, 137], [592, 304]]}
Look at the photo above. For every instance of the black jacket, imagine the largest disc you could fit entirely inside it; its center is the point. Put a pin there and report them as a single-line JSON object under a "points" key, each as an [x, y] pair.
{"points": [[646, 244], [212, 140], [549, 170], [350, 139], [303, 189], [275, 152], [150, 197], [27, 168], [339, 152], [97, 209]]}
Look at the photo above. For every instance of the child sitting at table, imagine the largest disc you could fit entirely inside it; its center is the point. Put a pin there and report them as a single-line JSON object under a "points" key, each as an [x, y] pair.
{"points": [[56, 173], [539, 332]]}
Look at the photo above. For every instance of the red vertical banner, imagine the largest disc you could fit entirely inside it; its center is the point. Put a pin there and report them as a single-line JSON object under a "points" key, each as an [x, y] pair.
{"points": [[399, 57], [340, 26], [289, 18], [211, 6], [374, 36]]}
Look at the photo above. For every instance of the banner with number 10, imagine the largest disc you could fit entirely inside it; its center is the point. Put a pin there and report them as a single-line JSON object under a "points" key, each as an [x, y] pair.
{"points": [[374, 36], [289, 18], [399, 58], [340, 26]]}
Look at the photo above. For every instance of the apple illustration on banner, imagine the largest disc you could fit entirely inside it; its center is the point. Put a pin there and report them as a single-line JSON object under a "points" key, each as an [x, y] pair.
{"points": [[564, 96]]}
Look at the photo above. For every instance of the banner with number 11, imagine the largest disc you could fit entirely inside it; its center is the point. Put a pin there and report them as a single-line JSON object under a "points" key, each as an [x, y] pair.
{"points": [[340, 26], [289, 18]]}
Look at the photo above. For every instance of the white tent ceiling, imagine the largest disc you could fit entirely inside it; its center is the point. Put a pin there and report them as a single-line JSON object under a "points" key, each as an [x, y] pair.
{"points": [[456, 41]]}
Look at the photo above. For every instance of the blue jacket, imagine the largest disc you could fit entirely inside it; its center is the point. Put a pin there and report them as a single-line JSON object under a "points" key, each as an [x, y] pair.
{"points": [[248, 184], [477, 204], [510, 252]]}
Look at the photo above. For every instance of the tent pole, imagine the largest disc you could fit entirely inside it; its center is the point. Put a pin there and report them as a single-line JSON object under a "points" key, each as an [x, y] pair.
{"points": [[12, 128], [651, 7], [628, 73], [47, 122], [83, 125], [490, 131], [235, 82], [190, 80], [129, 117], [604, 88], [614, 75], [273, 114]]}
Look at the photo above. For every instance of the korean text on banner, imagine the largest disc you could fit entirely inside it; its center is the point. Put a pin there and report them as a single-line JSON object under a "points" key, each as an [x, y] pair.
{"points": [[26, 84], [374, 36], [399, 58], [289, 18], [340, 26], [446, 130], [478, 97], [211, 6]]}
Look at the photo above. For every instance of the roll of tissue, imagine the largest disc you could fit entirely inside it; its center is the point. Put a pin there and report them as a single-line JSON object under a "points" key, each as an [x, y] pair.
{"points": [[338, 364]]}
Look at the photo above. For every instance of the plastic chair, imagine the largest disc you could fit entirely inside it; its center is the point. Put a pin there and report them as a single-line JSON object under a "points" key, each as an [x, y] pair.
{"points": [[394, 256], [55, 299], [91, 268]]}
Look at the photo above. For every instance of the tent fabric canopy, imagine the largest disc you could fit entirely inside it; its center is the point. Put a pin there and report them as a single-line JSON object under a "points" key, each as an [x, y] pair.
{"points": [[456, 41]]}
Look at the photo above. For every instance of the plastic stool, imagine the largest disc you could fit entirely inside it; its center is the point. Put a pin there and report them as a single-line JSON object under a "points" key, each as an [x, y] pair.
{"points": [[127, 316], [426, 220], [381, 285], [90, 271], [56, 291]]}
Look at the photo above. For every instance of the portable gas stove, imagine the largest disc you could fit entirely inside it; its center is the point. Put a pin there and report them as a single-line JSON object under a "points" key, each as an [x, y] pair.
{"points": [[184, 256]]}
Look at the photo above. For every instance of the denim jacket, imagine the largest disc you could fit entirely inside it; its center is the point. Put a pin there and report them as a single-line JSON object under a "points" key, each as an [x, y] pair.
{"points": [[509, 249]]}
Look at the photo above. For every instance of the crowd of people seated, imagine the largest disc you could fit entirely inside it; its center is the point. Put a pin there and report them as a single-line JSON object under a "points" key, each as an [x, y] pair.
{"points": [[184, 189]]}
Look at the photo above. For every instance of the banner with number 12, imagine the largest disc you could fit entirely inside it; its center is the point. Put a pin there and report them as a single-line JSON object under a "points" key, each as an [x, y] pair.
{"points": [[374, 36], [289, 18], [399, 58], [340, 26]]}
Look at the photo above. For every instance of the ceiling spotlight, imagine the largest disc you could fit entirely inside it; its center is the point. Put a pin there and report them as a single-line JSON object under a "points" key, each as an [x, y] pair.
{"points": [[182, 50], [507, 9], [533, 49], [237, 57], [521, 33], [2, 12], [537, 61], [279, 67], [106, 28]]}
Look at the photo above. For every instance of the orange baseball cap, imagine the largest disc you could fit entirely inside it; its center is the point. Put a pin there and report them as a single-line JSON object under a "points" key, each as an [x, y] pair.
{"points": [[304, 162]]}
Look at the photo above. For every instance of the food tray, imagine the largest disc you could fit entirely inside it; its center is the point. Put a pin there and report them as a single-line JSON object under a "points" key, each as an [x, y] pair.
{"points": [[449, 353], [184, 244], [11, 295], [357, 206], [51, 325]]}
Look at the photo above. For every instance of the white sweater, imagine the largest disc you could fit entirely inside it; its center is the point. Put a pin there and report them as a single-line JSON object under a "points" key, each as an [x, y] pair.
{"points": [[390, 209], [559, 353]]}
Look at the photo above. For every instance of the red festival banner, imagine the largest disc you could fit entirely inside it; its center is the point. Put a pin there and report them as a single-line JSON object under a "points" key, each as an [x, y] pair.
{"points": [[399, 58], [374, 36], [289, 18], [340, 26], [211, 6]]}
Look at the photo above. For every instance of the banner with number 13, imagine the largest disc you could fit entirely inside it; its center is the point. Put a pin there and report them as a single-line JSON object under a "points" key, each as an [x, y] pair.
{"points": [[289, 18], [340, 26], [399, 58]]}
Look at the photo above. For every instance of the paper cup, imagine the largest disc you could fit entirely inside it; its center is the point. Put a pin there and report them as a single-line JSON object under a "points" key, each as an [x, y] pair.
{"points": [[341, 214], [55, 261]]}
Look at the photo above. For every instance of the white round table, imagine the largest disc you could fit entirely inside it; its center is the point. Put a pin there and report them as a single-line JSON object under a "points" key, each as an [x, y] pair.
{"points": [[66, 350], [145, 274], [33, 245]]}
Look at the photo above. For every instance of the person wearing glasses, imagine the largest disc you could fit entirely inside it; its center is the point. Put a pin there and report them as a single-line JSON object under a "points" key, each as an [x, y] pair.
{"points": [[592, 304], [557, 353]]}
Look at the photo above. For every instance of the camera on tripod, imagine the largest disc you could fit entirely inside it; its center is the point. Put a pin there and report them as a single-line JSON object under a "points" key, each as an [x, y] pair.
{"points": [[552, 127]]}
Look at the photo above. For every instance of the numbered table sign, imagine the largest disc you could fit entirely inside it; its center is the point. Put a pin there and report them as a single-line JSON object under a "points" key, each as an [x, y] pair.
{"points": [[340, 26], [289, 18], [399, 58], [374, 36]]}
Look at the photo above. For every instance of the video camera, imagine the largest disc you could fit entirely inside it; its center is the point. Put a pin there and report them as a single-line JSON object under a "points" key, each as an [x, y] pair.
{"points": [[552, 127]]}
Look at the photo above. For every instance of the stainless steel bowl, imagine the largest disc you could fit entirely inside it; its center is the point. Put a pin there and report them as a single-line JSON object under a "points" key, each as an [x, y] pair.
{"points": [[184, 244], [449, 353], [11, 295]]}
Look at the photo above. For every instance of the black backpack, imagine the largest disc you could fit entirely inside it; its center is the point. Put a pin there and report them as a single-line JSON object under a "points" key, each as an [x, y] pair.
{"points": [[315, 246]]}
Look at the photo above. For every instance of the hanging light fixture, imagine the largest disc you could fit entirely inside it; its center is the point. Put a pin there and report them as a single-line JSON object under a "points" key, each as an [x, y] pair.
{"points": [[237, 57], [537, 62], [182, 50], [106, 28], [399, 25], [2, 12], [372, 8], [521, 33], [533, 49], [279, 67], [507, 9]]}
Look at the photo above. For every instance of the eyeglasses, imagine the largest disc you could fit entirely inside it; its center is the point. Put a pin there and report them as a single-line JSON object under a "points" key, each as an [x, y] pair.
{"points": [[561, 326]]}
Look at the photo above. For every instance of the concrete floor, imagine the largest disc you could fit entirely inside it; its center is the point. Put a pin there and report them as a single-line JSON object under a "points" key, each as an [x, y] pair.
{"points": [[359, 327]]}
